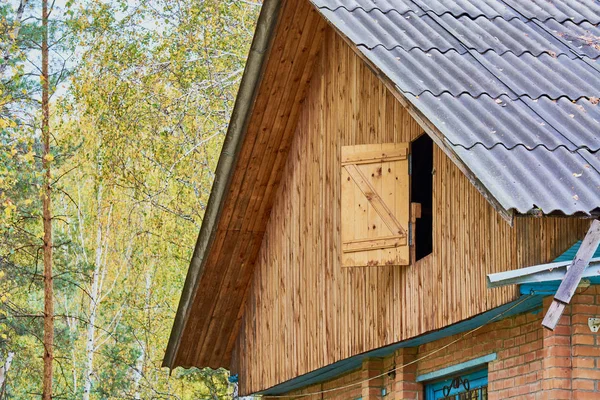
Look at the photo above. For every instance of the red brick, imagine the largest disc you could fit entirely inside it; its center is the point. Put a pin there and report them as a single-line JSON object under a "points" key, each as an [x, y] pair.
{"points": [[552, 361], [583, 362], [529, 360], [521, 319], [586, 373], [557, 394], [558, 351], [580, 395], [562, 373], [556, 340], [582, 299], [586, 351], [529, 357], [508, 383], [562, 330], [581, 329], [531, 377], [585, 309], [584, 384], [536, 365], [584, 339]]}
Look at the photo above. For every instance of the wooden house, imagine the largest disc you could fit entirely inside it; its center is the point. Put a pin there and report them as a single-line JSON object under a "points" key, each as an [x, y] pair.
{"points": [[396, 178]]}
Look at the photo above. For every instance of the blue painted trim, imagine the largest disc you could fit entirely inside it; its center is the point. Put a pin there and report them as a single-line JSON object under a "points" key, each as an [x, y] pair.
{"points": [[544, 288], [529, 303], [457, 368], [477, 379], [549, 288], [569, 255]]}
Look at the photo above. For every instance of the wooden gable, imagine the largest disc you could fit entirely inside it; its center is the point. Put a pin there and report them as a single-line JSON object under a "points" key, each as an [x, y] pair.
{"points": [[271, 299], [304, 310]]}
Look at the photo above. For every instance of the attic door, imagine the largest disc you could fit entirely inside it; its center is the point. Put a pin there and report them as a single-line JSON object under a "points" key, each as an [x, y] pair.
{"points": [[375, 205]]}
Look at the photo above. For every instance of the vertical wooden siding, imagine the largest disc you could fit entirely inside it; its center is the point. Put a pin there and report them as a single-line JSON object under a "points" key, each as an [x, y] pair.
{"points": [[303, 310]]}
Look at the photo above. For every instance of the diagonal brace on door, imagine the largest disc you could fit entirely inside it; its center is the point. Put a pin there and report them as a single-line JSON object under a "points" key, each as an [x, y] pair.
{"points": [[376, 201]]}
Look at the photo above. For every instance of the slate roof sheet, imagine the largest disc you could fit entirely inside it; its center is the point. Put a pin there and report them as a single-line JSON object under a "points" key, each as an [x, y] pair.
{"points": [[513, 85]]}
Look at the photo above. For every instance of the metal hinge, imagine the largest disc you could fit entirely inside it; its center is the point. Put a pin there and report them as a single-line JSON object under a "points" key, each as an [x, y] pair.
{"points": [[410, 235], [410, 164]]}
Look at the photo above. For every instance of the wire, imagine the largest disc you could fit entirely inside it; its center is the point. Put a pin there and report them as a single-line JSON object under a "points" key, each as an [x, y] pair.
{"points": [[521, 301]]}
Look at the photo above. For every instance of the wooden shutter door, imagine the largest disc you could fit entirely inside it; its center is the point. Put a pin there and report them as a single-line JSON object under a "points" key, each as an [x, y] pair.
{"points": [[375, 205]]}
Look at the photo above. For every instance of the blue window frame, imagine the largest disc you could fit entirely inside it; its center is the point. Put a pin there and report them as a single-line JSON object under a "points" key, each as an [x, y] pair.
{"points": [[465, 386]]}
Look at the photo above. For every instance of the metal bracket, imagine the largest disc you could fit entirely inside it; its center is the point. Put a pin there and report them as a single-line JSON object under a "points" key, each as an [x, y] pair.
{"points": [[594, 324]]}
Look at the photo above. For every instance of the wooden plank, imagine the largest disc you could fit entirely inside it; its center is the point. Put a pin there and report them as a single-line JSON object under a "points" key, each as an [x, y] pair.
{"points": [[375, 200], [262, 100], [569, 284], [274, 168], [269, 137], [553, 314], [588, 247], [373, 243], [415, 212], [373, 156]]}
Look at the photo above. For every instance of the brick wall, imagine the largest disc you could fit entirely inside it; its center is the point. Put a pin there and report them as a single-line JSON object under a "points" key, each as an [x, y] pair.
{"points": [[518, 343], [585, 345], [532, 362]]}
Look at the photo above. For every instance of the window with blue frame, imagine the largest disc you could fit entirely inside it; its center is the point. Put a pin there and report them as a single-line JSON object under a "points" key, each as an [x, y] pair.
{"points": [[465, 386]]}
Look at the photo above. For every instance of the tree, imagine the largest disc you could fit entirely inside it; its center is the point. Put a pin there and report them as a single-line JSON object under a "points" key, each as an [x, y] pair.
{"points": [[47, 215], [126, 169], [27, 87]]}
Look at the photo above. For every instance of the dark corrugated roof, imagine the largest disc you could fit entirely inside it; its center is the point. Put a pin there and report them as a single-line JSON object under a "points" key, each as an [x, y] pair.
{"points": [[513, 86], [543, 10], [523, 179]]}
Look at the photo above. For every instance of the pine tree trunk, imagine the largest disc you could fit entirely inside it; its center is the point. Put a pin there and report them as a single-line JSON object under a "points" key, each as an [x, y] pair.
{"points": [[47, 216]]}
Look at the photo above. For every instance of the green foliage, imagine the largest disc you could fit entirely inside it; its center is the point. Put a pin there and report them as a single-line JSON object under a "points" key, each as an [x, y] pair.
{"points": [[137, 130]]}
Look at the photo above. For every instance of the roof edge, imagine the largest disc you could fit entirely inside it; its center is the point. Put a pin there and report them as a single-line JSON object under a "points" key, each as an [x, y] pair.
{"points": [[520, 304], [236, 133]]}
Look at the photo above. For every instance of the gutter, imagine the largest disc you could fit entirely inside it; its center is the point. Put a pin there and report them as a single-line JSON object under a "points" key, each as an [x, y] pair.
{"points": [[234, 139], [542, 273]]}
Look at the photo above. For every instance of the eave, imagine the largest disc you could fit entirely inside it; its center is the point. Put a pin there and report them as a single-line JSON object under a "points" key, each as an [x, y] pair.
{"points": [[237, 128], [278, 71]]}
